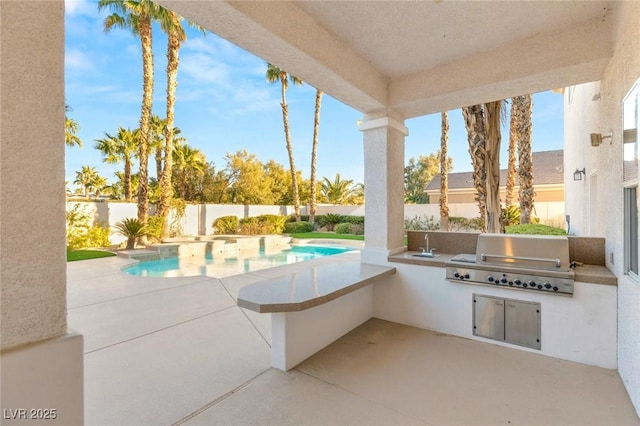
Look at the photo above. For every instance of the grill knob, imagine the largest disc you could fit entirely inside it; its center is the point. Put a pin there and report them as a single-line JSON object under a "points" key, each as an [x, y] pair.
{"points": [[547, 286], [457, 275], [517, 282], [524, 285], [555, 288], [503, 280], [532, 283], [540, 286], [490, 279], [511, 283], [467, 276]]}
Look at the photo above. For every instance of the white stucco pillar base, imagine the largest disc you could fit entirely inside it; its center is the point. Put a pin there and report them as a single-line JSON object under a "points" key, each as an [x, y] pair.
{"points": [[43, 383], [383, 139]]}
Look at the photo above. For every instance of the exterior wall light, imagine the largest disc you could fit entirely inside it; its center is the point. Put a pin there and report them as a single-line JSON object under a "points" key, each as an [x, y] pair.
{"points": [[597, 138], [577, 175]]}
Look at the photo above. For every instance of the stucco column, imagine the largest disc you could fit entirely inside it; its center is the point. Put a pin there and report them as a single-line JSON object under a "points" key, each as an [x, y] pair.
{"points": [[383, 139], [41, 361]]}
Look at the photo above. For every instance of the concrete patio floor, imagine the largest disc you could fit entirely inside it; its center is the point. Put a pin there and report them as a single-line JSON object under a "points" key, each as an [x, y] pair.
{"points": [[179, 351]]}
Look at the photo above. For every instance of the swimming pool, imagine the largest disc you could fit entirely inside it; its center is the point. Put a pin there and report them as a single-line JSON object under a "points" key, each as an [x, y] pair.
{"points": [[222, 265]]}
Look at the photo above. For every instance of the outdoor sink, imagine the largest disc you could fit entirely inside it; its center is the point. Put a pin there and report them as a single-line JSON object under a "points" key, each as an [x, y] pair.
{"points": [[427, 255]]}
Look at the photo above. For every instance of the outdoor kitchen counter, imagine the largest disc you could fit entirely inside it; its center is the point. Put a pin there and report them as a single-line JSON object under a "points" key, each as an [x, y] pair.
{"points": [[594, 274]]}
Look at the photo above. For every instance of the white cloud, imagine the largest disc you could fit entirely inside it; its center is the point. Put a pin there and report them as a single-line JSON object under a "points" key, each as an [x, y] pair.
{"points": [[79, 7], [75, 59]]}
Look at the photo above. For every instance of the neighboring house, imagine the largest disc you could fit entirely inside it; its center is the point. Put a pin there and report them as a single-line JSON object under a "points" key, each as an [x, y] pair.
{"points": [[548, 181]]}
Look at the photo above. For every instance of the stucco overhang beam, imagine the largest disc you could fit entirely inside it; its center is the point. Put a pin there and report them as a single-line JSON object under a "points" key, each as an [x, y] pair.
{"points": [[572, 55], [283, 35]]}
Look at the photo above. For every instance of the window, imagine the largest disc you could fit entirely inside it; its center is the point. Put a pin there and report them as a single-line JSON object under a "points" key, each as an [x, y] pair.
{"points": [[630, 179], [631, 231]]}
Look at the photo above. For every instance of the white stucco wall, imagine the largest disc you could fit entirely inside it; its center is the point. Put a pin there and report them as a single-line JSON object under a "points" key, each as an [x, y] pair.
{"points": [[581, 328], [32, 255], [583, 115]]}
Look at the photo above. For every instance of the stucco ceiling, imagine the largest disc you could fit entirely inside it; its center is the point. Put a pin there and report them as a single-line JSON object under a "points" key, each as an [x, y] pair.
{"points": [[419, 57]]}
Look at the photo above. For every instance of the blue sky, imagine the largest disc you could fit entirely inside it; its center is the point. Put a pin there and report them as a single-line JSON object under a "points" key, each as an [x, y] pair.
{"points": [[224, 104]]}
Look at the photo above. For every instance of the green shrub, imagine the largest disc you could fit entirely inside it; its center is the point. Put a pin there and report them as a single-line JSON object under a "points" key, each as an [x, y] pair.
{"points": [[298, 227], [330, 220], [342, 228], [154, 227], [457, 223], [275, 220], [82, 232], [263, 224], [358, 220], [350, 228], [421, 223], [510, 215], [303, 218], [225, 225], [95, 236], [251, 226], [131, 228], [356, 228], [535, 229]]}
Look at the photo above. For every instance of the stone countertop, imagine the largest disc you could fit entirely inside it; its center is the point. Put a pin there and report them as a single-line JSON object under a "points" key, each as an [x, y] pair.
{"points": [[310, 287], [594, 274]]}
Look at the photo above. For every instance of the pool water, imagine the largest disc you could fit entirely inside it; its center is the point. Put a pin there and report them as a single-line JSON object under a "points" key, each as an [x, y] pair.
{"points": [[217, 265]]}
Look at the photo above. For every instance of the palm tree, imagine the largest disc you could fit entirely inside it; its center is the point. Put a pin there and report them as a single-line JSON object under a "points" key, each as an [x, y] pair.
{"points": [[314, 149], [71, 127], [444, 173], [494, 211], [156, 142], [86, 178], [120, 148], [137, 16], [524, 106], [513, 139], [273, 75], [187, 161], [476, 133], [176, 36], [338, 191], [99, 183]]}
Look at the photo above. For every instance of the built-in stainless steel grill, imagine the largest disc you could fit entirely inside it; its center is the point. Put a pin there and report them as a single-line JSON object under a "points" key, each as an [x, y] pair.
{"points": [[530, 262]]}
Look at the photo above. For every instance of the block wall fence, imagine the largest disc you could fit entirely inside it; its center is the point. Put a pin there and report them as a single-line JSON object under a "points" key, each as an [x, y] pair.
{"points": [[198, 218]]}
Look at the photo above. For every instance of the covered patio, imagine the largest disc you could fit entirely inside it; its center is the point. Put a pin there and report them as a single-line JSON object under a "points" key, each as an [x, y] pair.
{"points": [[179, 351], [391, 61]]}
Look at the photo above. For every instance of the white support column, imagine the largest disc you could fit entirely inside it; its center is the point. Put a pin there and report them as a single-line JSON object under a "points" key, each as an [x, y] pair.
{"points": [[42, 362], [383, 139]]}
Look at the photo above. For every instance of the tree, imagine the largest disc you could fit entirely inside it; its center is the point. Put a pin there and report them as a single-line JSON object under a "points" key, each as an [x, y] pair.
{"points": [[246, 178], [86, 178], [474, 119], [417, 175], [71, 128], [273, 75], [524, 108], [494, 210], [137, 16], [444, 173], [338, 191], [314, 149], [120, 148], [176, 36], [511, 167], [188, 162]]}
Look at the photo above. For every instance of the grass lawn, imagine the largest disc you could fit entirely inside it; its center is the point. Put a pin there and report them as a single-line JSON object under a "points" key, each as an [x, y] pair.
{"points": [[73, 255], [535, 229], [331, 235]]}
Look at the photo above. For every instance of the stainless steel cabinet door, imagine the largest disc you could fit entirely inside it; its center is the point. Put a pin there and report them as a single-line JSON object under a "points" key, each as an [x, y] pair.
{"points": [[488, 317], [522, 323]]}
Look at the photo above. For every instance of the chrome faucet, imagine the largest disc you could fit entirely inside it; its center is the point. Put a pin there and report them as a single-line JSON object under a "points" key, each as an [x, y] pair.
{"points": [[426, 249]]}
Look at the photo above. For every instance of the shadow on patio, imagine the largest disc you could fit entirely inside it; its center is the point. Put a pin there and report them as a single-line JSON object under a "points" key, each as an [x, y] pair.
{"points": [[163, 351]]}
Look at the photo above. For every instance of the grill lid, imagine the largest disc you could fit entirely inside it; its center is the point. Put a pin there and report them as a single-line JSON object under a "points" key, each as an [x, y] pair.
{"points": [[549, 253]]}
